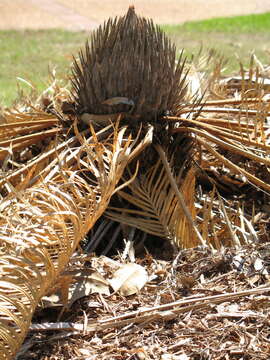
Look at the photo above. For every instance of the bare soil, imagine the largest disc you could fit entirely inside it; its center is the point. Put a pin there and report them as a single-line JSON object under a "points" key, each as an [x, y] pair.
{"points": [[87, 14]]}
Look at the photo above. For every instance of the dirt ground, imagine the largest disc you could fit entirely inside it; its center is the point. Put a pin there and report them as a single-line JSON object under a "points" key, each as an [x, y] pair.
{"points": [[87, 14]]}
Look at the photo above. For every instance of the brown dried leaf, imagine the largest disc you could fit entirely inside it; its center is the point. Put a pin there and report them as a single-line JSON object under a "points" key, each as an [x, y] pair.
{"points": [[129, 279], [84, 284], [88, 284]]}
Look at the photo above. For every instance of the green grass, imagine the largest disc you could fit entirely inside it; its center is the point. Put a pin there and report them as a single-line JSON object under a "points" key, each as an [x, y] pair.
{"points": [[250, 24], [234, 47], [28, 54], [234, 37]]}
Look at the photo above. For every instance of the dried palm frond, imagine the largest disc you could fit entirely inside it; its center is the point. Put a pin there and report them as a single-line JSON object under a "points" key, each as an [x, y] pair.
{"points": [[155, 206], [237, 129], [41, 226], [222, 222], [24, 140], [160, 201]]}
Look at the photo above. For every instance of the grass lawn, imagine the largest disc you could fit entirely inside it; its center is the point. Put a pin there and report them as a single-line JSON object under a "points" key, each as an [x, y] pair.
{"points": [[235, 37], [28, 54]]}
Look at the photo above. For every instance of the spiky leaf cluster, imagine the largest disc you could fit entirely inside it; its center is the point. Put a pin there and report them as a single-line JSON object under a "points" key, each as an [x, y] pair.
{"points": [[128, 57]]}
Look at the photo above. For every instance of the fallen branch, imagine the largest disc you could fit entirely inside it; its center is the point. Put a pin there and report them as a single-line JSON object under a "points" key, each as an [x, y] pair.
{"points": [[146, 315]]}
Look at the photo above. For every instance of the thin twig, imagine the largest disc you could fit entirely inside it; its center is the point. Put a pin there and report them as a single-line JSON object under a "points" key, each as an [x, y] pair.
{"points": [[224, 111], [231, 102]]}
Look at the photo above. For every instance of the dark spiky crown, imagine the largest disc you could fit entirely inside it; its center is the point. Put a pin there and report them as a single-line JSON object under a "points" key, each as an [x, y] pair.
{"points": [[132, 58]]}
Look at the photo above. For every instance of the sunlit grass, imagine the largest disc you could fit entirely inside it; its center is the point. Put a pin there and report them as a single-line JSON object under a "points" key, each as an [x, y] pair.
{"points": [[238, 24], [29, 54]]}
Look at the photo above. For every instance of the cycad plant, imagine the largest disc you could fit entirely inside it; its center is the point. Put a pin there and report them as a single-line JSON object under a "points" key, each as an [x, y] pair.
{"points": [[133, 129]]}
